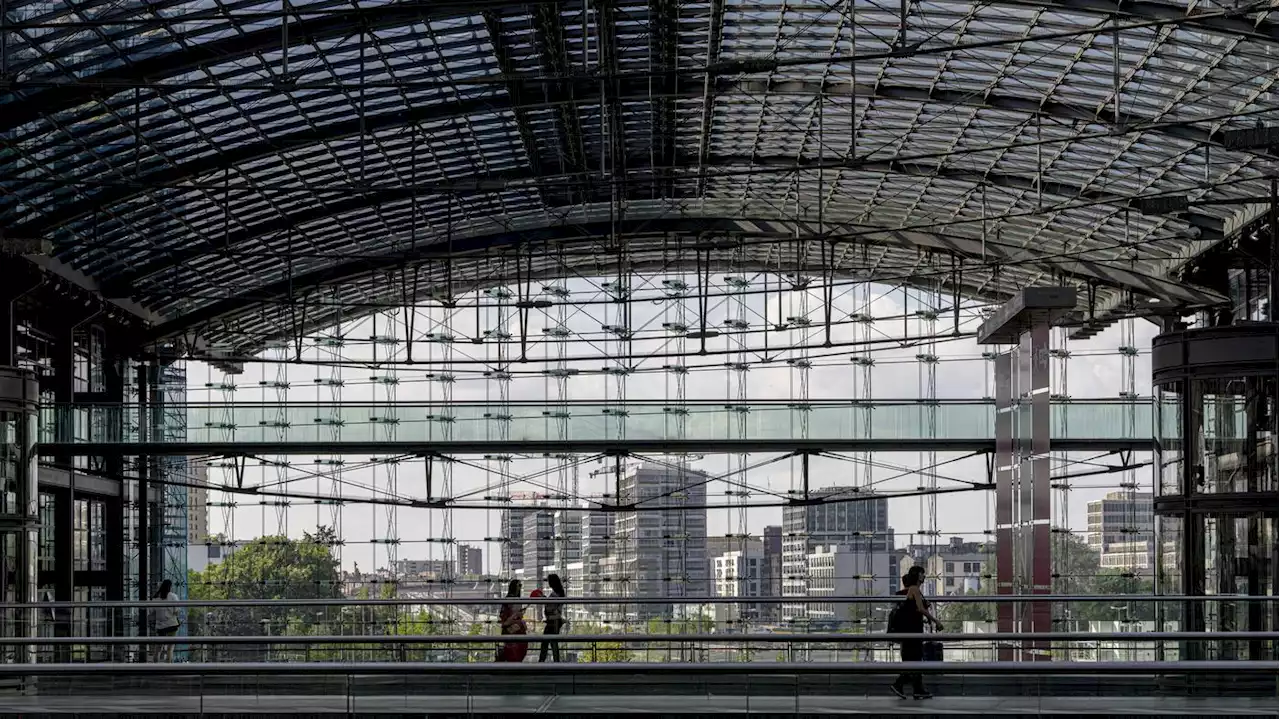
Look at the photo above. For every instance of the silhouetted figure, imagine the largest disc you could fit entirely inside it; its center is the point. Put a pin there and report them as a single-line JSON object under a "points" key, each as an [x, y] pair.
{"points": [[554, 615], [165, 620], [511, 619], [909, 618]]}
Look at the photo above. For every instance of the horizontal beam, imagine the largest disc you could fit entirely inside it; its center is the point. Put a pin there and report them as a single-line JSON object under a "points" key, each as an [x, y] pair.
{"points": [[199, 669], [495, 601], [653, 638], [193, 55], [456, 448], [545, 178], [534, 94], [586, 231]]}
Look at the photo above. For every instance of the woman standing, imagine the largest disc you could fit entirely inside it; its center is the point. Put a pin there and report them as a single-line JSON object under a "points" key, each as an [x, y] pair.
{"points": [[554, 614], [511, 619], [165, 620]]}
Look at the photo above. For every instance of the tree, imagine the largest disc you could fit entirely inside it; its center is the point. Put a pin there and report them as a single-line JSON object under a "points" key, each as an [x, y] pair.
{"points": [[1116, 582], [602, 652], [1076, 571], [270, 568]]}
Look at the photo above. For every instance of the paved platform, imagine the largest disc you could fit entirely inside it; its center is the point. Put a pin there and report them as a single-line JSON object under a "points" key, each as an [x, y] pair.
{"points": [[687, 706]]}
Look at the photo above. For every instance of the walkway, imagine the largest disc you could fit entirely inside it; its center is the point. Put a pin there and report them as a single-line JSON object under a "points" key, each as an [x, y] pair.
{"points": [[607, 706], [580, 427]]}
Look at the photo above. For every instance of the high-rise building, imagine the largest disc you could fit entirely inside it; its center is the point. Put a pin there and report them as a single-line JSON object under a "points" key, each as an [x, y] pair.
{"points": [[595, 540], [1120, 518], [566, 538], [198, 504], [662, 551], [512, 540], [538, 546], [858, 526], [470, 561], [771, 569], [738, 573]]}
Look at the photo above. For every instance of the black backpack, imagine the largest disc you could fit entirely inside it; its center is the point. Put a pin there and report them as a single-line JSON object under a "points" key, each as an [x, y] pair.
{"points": [[899, 618]]}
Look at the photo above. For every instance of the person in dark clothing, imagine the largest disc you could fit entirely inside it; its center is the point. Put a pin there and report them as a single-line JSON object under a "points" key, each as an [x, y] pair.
{"points": [[910, 619], [554, 614]]}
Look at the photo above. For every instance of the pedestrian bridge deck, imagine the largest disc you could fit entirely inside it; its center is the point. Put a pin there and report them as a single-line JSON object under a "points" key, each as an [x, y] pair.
{"points": [[850, 688], [581, 426]]}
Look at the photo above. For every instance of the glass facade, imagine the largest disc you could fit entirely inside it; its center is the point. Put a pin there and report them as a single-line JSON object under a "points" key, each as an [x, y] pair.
{"points": [[1216, 479], [245, 423]]}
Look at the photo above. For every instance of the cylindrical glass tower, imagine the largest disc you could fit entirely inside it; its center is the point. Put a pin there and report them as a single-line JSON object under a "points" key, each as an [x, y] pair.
{"points": [[19, 498], [1216, 500]]}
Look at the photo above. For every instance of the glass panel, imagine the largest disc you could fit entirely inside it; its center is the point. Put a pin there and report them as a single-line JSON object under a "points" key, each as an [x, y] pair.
{"points": [[587, 421]]}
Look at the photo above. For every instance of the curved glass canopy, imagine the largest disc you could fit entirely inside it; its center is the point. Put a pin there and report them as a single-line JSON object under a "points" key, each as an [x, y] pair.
{"points": [[215, 159]]}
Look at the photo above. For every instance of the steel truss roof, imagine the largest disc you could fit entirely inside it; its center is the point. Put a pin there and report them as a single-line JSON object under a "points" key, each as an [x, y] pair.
{"points": [[218, 160]]}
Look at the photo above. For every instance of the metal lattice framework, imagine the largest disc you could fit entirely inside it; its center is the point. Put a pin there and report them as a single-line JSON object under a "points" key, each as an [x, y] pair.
{"points": [[223, 164]]}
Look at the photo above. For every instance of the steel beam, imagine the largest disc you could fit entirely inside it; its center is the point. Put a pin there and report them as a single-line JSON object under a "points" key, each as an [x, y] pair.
{"points": [[538, 93], [547, 177], [588, 447]]}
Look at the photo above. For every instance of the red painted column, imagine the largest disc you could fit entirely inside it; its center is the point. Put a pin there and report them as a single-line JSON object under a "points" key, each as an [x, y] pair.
{"points": [[1004, 467]]}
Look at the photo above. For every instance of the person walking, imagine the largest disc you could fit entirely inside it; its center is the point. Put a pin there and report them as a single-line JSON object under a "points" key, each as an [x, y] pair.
{"points": [[909, 618], [554, 615], [511, 621], [165, 620]]}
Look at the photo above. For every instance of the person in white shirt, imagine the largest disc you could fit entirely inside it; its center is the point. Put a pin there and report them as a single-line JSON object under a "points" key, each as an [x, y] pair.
{"points": [[165, 620]]}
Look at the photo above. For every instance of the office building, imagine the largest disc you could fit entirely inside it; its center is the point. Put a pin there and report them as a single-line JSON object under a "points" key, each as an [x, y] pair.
{"points": [[951, 568], [738, 574], [837, 571], [436, 569], [538, 547], [566, 538], [470, 561], [511, 539], [771, 569], [198, 504], [1121, 530], [663, 552], [859, 526]]}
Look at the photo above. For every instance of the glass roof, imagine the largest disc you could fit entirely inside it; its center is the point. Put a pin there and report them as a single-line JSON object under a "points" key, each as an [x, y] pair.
{"points": [[211, 159]]}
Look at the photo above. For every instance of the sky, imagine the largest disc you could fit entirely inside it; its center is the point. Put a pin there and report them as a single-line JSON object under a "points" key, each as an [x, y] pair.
{"points": [[1094, 370]]}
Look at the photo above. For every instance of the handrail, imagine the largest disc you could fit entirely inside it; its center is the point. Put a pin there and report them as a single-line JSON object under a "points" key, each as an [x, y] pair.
{"points": [[719, 403], [472, 601], [870, 638], [692, 668]]}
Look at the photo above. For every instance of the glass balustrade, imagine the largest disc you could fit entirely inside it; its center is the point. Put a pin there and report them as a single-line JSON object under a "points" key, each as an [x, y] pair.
{"points": [[586, 421]]}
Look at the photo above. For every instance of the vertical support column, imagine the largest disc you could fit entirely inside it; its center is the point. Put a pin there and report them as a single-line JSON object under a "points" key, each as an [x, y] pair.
{"points": [[1192, 538], [19, 416], [1023, 505], [143, 499], [1033, 448], [1005, 508]]}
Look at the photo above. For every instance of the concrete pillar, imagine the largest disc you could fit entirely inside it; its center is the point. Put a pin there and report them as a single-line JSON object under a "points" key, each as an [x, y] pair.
{"points": [[19, 500]]}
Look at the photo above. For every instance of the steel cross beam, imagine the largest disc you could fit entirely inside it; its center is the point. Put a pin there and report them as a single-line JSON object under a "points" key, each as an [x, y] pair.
{"points": [[316, 27], [529, 94], [542, 179]]}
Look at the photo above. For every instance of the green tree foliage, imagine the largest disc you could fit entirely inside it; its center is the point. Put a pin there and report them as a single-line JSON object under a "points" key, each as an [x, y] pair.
{"points": [[602, 652], [273, 568], [1078, 573]]}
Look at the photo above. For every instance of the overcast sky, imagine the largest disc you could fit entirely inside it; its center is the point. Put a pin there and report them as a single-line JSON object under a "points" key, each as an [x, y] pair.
{"points": [[1094, 370]]}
